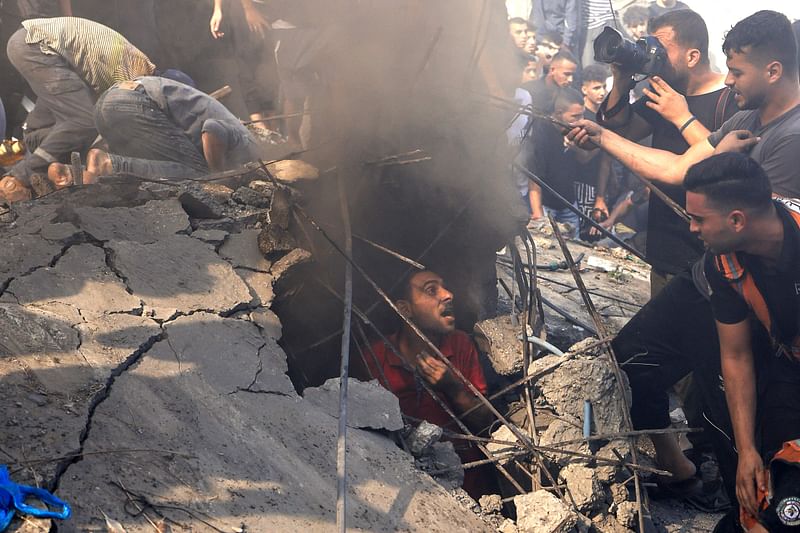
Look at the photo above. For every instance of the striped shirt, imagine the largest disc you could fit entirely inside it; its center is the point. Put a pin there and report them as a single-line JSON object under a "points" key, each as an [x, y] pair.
{"points": [[98, 54], [596, 13]]}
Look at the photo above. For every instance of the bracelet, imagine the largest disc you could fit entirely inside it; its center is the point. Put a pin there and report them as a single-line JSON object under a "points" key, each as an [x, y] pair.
{"points": [[687, 123]]}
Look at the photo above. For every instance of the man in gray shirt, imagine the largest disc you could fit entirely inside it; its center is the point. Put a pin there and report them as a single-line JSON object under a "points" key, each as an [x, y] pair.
{"points": [[160, 128]]}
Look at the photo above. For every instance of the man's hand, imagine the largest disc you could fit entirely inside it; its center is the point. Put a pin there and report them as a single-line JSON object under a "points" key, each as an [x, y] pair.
{"points": [[215, 23], [586, 134], [667, 102], [436, 373], [750, 477], [737, 141], [600, 203], [256, 21]]}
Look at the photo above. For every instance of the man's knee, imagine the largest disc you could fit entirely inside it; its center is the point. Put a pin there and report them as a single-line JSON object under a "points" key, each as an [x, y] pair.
{"points": [[16, 47]]}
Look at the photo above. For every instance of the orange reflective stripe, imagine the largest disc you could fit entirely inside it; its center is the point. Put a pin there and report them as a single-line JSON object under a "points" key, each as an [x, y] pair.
{"points": [[756, 301]]}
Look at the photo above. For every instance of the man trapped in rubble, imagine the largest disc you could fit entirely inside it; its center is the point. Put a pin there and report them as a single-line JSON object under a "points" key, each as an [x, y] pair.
{"points": [[158, 127], [427, 303]]}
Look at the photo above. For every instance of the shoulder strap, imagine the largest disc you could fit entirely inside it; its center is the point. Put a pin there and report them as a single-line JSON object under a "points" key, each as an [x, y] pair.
{"points": [[722, 105], [732, 270]]}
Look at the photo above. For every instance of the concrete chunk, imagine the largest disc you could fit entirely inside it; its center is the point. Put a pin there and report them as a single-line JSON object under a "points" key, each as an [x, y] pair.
{"points": [[368, 404], [147, 223], [179, 273], [241, 250], [583, 485], [423, 437], [542, 512]]}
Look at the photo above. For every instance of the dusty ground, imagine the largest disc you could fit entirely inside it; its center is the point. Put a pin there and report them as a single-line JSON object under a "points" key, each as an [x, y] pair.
{"points": [[140, 371]]}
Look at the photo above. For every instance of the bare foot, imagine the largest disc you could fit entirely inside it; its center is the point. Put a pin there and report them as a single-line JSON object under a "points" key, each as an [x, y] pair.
{"points": [[60, 175], [97, 164], [14, 190]]}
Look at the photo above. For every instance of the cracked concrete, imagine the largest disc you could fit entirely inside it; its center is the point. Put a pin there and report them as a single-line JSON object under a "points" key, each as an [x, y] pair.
{"points": [[133, 353]]}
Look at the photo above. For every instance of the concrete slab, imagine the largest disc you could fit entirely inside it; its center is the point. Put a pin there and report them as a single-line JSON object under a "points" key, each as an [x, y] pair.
{"points": [[147, 223], [241, 250], [368, 404], [179, 273]]}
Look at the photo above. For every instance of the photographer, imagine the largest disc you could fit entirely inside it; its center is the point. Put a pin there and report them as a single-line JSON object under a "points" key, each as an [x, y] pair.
{"points": [[685, 88]]}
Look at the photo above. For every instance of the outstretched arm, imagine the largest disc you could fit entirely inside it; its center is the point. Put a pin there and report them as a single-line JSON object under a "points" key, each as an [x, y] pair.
{"points": [[740, 391], [66, 7]]}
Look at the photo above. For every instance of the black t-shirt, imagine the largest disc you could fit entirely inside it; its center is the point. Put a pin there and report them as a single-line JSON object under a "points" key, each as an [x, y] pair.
{"points": [[779, 285], [588, 171], [542, 95], [545, 156], [671, 247]]}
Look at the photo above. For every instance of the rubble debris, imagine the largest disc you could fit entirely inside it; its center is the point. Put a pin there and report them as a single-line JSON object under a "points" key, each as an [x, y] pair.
{"points": [[241, 249], [292, 170], [444, 465], [205, 200], [163, 218], [500, 339], [490, 503], [249, 196], [583, 486], [503, 433], [211, 236], [627, 514], [423, 437], [369, 405], [275, 235], [296, 257], [607, 473], [178, 273], [561, 431], [268, 321], [542, 512], [260, 284]]}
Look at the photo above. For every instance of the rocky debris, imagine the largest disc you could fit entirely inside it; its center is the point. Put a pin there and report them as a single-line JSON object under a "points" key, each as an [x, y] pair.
{"points": [[275, 236], [296, 257], [585, 378], [251, 197], [561, 431], [542, 512], [503, 433], [241, 250], [423, 437], [211, 236], [627, 515], [144, 224], [607, 473], [205, 200], [132, 354], [490, 503], [501, 341], [369, 405], [442, 462], [583, 486], [178, 274], [507, 526]]}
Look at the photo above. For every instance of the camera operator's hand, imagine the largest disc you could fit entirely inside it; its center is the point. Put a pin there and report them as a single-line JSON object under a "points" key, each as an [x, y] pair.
{"points": [[586, 134], [737, 141], [667, 102]]}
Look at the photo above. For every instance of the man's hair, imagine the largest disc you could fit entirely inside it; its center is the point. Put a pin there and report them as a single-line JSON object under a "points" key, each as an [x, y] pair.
{"points": [[565, 97], [730, 181], [796, 28], [518, 20], [550, 36], [635, 15], [595, 72], [769, 35], [564, 55], [689, 27]]}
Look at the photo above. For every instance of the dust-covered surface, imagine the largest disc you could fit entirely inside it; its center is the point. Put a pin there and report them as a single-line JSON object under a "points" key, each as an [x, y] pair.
{"points": [[141, 370]]}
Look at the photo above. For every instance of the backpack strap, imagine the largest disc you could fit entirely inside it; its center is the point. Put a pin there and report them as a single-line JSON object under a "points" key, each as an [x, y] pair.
{"points": [[722, 106]]}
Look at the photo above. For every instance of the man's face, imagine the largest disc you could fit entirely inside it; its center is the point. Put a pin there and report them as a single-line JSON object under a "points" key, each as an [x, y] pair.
{"points": [[676, 73], [562, 73], [545, 51], [430, 304], [530, 43], [570, 115], [594, 91], [531, 72], [748, 81], [638, 31], [519, 33], [711, 225]]}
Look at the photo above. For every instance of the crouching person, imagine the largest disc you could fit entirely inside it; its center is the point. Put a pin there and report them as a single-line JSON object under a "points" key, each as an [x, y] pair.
{"points": [[157, 127], [427, 303], [68, 62], [753, 244]]}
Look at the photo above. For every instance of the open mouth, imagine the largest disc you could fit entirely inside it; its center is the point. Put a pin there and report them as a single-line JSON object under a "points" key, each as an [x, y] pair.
{"points": [[448, 311]]}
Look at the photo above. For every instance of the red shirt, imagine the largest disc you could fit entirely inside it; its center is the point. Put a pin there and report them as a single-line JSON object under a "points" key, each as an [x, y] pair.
{"points": [[415, 400]]}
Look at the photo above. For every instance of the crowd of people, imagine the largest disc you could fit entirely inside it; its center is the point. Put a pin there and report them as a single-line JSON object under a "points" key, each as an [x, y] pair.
{"points": [[599, 129]]}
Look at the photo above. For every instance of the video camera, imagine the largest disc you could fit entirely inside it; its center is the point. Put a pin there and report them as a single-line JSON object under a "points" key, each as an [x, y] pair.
{"points": [[646, 56]]}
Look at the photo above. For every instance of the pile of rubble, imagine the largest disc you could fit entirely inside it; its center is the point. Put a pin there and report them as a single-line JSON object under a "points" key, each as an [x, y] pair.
{"points": [[143, 380]]}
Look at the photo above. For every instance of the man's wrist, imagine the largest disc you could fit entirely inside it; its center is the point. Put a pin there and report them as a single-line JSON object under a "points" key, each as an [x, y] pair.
{"points": [[684, 121]]}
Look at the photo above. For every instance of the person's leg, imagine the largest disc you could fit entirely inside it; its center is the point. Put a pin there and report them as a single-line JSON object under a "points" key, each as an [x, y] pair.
{"points": [[63, 94], [135, 127]]}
